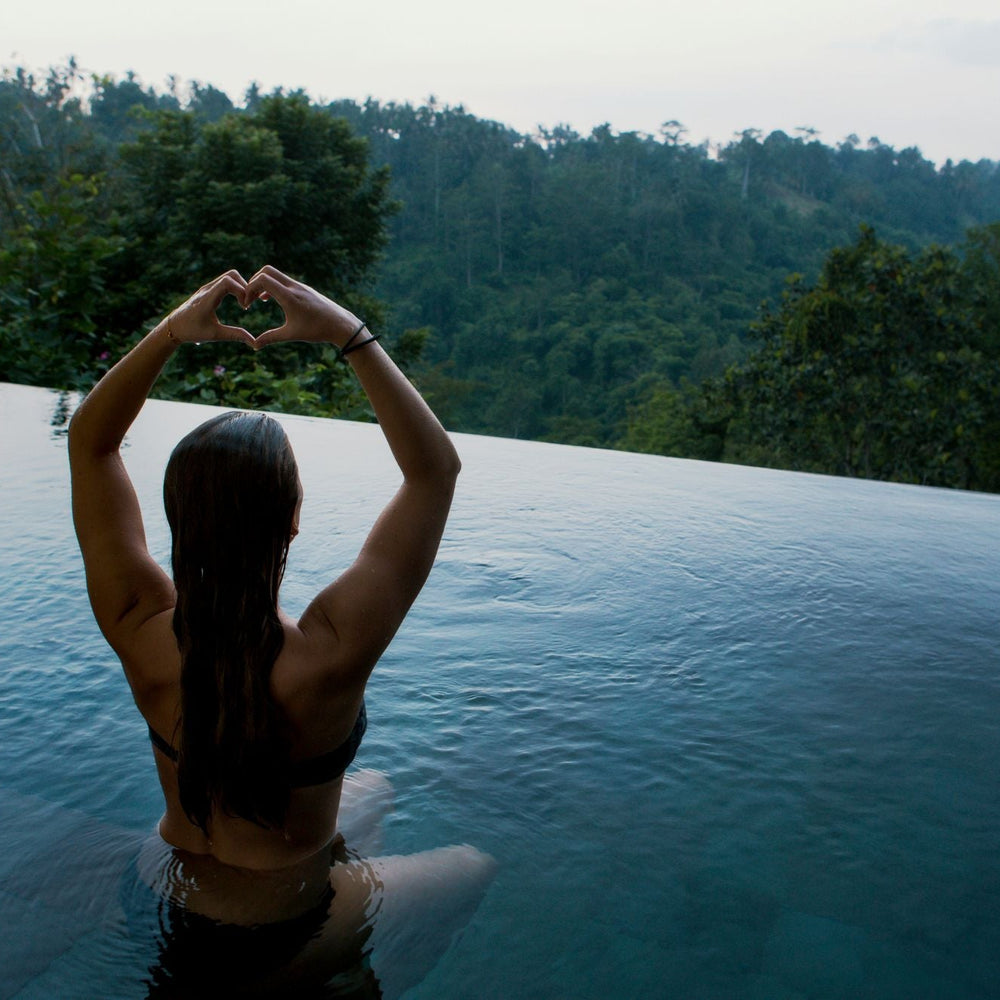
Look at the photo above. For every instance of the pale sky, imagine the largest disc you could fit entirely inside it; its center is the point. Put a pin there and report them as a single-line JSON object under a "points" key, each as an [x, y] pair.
{"points": [[920, 73]]}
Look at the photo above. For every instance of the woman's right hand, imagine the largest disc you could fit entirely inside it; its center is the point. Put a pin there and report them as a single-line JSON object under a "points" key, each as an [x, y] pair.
{"points": [[195, 321], [309, 315]]}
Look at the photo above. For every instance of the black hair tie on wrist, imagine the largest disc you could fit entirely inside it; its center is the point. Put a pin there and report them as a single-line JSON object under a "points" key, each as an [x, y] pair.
{"points": [[351, 346], [350, 340], [348, 347]]}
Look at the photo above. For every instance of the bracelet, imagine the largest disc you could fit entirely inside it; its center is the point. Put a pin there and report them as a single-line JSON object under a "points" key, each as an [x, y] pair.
{"points": [[360, 344], [351, 346], [170, 333], [350, 340]]}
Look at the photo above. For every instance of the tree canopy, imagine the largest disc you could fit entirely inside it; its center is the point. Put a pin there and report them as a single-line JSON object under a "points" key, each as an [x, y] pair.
{"points": [[172, 197], [602, 289], [887, 367]]}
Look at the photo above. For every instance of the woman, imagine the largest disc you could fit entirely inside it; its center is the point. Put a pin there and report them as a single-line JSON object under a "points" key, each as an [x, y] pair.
{"points": [[253, 716]]}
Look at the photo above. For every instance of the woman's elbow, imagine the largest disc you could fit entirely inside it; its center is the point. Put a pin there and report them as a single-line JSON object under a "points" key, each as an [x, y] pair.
{"points": [[454, 463], [75, 435], [442, 468], [83, 438]]}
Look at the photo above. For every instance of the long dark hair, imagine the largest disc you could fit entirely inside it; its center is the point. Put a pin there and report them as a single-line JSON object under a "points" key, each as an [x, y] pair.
{"points": [[231, 491]]}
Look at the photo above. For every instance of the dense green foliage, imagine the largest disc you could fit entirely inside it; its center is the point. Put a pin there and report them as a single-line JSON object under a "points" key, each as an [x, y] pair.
{"points": [[888, 367], [565, 277], [597, 290], [114, 215]]}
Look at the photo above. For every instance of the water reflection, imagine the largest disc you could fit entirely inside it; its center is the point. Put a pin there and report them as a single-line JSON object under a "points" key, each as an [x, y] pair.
{"points": [[65, 403]]}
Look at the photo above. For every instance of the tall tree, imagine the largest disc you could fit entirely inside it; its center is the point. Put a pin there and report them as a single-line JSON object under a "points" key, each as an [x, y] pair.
{"points": [[882, 369]]}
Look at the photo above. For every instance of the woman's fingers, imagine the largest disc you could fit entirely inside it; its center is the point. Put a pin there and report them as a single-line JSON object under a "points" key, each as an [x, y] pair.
{"points": [[273, 273], [304, 309], [270, 280], [273, 336], [230, 283], [232, 275], [196, 319], [265, 285], [234, 333]]}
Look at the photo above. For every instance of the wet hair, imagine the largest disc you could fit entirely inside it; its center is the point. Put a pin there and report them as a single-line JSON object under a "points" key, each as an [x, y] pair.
{"points": [[231, 491]]}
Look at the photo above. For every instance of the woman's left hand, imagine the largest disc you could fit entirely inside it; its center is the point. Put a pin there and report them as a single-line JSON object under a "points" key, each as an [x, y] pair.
{"points": [[195, 321]]}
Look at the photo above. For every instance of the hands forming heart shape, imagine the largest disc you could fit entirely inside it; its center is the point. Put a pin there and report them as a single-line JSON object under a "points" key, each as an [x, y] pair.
{"points": [[309, 315]]}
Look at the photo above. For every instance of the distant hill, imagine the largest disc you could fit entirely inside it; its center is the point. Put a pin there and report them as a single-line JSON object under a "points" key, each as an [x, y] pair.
{"points": [[555, 280]]}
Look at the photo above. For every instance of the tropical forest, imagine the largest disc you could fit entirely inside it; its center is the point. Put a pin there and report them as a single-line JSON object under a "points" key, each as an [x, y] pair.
{"points": [[776, 299]]}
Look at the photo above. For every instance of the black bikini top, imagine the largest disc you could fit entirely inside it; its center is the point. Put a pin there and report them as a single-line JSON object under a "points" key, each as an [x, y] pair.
{"points": [[316, 770]]}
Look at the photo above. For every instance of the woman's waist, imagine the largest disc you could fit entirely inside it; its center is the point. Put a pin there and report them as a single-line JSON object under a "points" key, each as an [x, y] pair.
{"points": [[202, 883], [308, 828]]}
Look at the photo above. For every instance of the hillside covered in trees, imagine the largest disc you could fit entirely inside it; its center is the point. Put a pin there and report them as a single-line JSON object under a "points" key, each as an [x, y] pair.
{"points": [[602, 290]]}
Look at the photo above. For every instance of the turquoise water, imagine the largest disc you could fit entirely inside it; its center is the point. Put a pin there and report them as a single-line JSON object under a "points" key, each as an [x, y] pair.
{"points": [[728, 732]]}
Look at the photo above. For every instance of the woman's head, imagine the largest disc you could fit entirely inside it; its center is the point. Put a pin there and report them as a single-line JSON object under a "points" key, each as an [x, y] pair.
{"points": [[232, 495]]}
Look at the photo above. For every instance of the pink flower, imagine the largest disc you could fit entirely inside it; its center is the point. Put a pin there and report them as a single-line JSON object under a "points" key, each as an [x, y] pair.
{"points": [[103, 356], [219, 369]]}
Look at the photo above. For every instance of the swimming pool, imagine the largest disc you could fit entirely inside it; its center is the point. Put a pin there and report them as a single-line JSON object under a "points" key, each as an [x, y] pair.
{"points": [[729, 732]]}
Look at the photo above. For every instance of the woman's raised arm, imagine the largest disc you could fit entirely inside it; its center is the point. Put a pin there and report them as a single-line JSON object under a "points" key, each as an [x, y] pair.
{"points": [[126, 586], [367, 603]]}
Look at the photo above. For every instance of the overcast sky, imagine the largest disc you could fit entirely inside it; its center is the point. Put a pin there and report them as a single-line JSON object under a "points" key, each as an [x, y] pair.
{"points": [[912, 72]]}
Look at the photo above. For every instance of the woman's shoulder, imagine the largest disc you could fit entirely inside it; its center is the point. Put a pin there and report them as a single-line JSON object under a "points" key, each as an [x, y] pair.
{"points": [[150, 658], [316, 655], [311, 679]]}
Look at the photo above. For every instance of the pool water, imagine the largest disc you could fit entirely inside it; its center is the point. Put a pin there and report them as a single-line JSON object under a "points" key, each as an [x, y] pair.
{"points": [[729, 732]]}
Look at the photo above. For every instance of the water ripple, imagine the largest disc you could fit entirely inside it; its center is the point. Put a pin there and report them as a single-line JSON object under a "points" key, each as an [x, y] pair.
{"points": [[729, 731]]}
